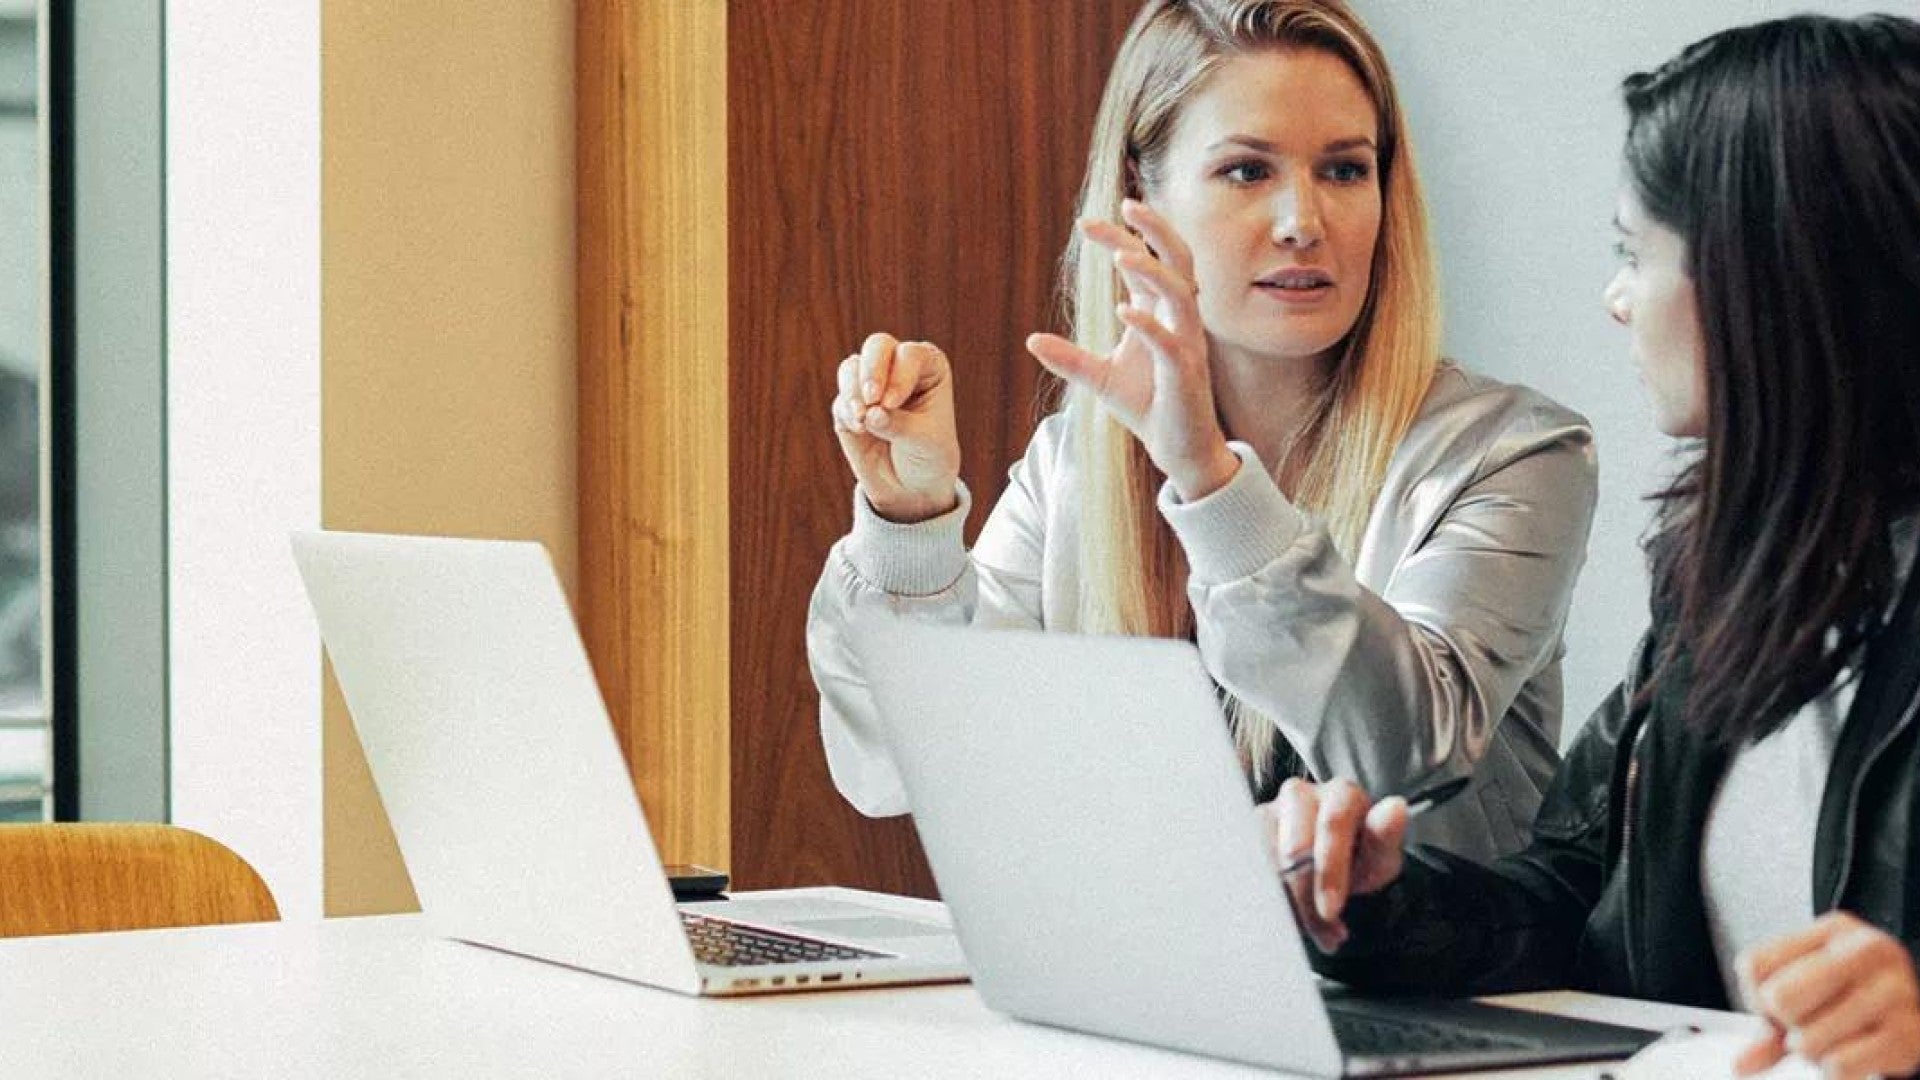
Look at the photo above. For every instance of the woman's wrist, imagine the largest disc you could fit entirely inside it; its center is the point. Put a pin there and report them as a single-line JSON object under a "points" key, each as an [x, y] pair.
{"points": [[907, 508], [1207, 477]]}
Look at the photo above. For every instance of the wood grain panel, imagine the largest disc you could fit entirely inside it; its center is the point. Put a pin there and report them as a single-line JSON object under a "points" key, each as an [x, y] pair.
{"points": [[652, 176], [83, 878], [901, 166]]}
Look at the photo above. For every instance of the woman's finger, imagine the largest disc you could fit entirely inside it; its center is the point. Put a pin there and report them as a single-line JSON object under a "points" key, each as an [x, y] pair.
{"points": [[1299, 812], [1799, 990], [1160, 236], [1159, 282], [851, 414], [917, 367], [1860, 1009], [1298, 804], [1071, 362], [1382, 845], [1343, 807], [1763, 1052], [876, 363], [847, 375], [1892, 1049], [1112, 237], [1126, 249], [1758, 964], [1164, 341]]}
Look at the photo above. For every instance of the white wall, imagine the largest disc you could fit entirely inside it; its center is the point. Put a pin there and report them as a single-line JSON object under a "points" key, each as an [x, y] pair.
{"points": [[243, 393], [1517, 125], [21, 198]]}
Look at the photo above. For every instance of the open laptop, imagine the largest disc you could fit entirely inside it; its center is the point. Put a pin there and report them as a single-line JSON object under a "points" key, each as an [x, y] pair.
{"points": [[1092, 834], [492, 750]]}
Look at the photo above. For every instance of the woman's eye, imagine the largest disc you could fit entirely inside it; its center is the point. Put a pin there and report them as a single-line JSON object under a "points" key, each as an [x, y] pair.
{"points": [[1621, 252], [1245, 172], [1350, 172]]}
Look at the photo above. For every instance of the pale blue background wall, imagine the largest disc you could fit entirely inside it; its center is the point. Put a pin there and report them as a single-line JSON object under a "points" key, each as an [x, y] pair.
{"points": [[1517, 125]]}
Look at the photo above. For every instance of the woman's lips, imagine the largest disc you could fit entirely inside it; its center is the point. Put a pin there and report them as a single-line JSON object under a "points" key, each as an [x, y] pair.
{"points": [[1301, 285]]}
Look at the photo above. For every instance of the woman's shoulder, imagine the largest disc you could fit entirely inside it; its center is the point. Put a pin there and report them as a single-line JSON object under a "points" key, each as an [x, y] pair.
{"points": [[1047, 468], [1467, 412], [1460, 395], [1051, 447]]}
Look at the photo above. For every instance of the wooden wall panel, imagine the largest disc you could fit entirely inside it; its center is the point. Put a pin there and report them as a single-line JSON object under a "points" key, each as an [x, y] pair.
{"points": [[902, 166], [651, 98]]}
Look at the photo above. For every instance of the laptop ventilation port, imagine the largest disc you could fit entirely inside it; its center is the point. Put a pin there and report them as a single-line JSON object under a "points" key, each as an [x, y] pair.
{"points": [[779, 980], [746, 984], [831, 978], [800, 980]]}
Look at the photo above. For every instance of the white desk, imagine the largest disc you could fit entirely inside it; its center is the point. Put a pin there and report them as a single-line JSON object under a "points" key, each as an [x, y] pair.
{"points": [[381, 997]]}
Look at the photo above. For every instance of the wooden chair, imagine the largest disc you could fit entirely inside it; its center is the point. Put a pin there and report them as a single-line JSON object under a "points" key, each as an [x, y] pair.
{"points": [[78, 878]]}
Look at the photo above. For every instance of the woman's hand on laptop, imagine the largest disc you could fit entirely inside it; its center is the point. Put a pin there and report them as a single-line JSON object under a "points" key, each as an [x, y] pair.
{"points": [[1353, 843]]}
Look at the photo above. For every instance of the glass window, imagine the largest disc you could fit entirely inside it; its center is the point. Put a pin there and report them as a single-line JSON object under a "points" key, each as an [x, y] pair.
{"points": [[23, 265]]}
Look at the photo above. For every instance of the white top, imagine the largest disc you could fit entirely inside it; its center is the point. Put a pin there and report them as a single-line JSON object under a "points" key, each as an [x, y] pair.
{"points": [[1756, 857], [383, 997]]}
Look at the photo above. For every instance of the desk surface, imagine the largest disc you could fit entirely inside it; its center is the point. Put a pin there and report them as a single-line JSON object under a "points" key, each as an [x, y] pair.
{"points": [[384, 997]]}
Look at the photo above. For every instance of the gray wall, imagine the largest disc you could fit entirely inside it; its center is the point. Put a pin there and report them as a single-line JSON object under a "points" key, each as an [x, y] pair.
{"points": [[1517, 127]]}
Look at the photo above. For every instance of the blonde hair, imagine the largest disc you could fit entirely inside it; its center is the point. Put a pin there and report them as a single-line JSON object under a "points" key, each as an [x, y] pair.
{"points": [[1134, 574]]}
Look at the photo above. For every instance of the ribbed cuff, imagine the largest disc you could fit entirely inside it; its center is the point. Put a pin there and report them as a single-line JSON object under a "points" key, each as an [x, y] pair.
{"points": [[1232, 533], [908, 560]]}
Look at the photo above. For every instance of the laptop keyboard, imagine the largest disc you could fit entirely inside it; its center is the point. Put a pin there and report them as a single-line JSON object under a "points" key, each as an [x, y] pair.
{"points": [[1374, 1036], [726, 944]]}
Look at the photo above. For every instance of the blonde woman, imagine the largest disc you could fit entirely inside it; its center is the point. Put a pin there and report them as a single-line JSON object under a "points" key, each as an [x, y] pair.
{"points": [[1259, 448]]}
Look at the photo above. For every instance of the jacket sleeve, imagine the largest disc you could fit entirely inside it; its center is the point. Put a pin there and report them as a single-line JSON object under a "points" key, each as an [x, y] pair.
{"points": [[884, 570], [1449, 925], [1404, 685]]}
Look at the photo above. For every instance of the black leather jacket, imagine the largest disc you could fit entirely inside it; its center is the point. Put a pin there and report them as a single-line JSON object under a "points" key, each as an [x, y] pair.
{"points": [[1607, 898]]}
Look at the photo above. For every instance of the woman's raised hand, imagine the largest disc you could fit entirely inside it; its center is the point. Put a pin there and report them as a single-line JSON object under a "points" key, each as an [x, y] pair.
{"points": [[1156, 381], [893, 413]]}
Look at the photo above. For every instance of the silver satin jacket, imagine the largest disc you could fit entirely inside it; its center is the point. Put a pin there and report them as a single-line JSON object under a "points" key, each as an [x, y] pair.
{"points": [[1436, 653]]}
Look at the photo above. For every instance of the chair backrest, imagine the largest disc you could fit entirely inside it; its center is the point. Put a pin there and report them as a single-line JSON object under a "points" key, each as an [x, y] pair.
{"points": [[77, 878]]}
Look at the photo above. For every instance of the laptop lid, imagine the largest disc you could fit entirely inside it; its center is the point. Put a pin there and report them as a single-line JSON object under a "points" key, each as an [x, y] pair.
{"points": [[491, 748], [1095, 841], [1089, 826]]}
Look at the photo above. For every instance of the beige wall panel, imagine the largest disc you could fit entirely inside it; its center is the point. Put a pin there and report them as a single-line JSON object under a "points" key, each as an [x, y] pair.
{"points": [[447, 249]]}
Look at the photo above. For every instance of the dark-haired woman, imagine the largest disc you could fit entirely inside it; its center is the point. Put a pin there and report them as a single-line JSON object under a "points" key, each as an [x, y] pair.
{"points": [[1737, 825]]}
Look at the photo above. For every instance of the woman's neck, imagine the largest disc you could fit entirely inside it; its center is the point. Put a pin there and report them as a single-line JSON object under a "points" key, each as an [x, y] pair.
{"points": [[1266, 402]]}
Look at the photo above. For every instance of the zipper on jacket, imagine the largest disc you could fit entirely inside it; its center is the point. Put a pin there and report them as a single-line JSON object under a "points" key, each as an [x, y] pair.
{"points": [[1626, 849], [1851, 825]]}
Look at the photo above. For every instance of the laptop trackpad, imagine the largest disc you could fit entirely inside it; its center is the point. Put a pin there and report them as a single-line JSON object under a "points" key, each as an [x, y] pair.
{"points": [[841, 920], [870, 927]]}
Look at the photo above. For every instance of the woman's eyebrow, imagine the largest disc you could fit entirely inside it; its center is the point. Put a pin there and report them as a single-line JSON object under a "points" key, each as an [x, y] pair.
{"points": [[1267, 146], [1248, 141], [1355, 143], [1621, 226]]}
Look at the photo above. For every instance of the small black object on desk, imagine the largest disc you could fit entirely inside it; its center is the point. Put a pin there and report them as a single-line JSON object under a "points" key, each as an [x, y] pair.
{"points": [[696, 883]]}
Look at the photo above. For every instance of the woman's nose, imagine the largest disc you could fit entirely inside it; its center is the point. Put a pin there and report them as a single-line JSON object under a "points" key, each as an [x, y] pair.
{"points": [[1615, 298], [1296, 216]]}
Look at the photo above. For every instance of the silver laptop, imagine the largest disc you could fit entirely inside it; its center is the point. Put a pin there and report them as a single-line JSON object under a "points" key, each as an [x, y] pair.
{"points": [[1092, 834], [492, 750]]}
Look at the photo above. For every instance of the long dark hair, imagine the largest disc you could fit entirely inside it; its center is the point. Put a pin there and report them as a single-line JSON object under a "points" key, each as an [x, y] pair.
{"points": [[1786, 156]]}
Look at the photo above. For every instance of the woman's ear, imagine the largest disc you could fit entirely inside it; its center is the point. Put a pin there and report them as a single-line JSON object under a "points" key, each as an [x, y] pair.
{"points": [[1136, 190]]}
